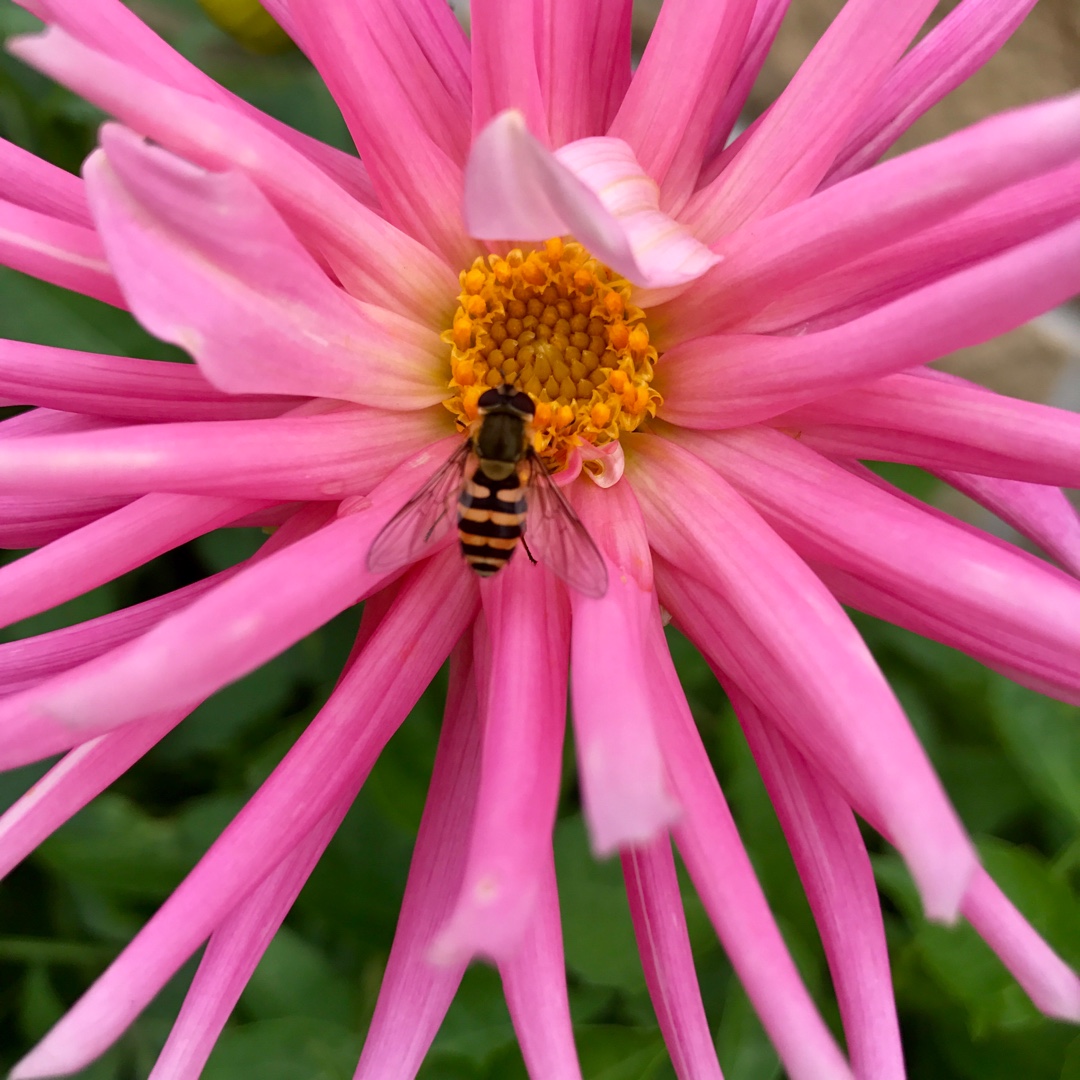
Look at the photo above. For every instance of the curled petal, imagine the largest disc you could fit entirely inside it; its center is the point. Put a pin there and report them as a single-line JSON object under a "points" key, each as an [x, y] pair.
{"points": [[29, 181], [207, 264]]}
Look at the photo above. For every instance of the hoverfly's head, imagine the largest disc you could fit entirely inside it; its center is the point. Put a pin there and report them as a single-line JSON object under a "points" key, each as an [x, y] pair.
{"points": [[507, 400]]}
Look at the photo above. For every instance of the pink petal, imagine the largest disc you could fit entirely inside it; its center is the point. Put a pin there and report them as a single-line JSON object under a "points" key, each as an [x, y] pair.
{"points": [[415, 993], [947, 56], [668, 112], [114, 29], [107, 548], [408, 118], [56, 251], [762, 265], [593, 189], [583, 55], [624, 789], [656, 907], [835, 870], [524, 708], [373, 260], [28, 181], [1043, 514], [504, 64], [718, 864], [731, 380], [50, 422], [788, 645], [28, 522], [944, 424], [534, 982], [207, 264], [285, 458], [794, 146], [121, 387], [327, 765]]}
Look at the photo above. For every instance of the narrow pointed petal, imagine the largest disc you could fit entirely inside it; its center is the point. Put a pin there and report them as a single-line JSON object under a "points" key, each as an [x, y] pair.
{"points": [[121, 387], [835, 870], [788, 644], [534, 982], [29, 522], [594, 189], [720, 868], [624, 792], [409, 123], [652, 889], [944, 423], [731, 380], [27, 180], [50, 422], [504, 65], [668, 112], [415, 993], [1043, 514], [374, 261], [109, 547], [762, 265], [524, 707], [56, 251], [796, 142], [326, 456], [234, 951], [947, 56], [206, 263], [1050, 983], [326, 765], [583, 55]]}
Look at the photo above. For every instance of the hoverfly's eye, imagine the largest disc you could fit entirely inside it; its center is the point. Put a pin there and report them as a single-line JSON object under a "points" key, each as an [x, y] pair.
{"points": [[490, 398], [523, 403]]}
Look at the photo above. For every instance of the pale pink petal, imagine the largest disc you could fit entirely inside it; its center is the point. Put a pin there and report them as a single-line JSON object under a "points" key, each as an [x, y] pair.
{"points": [[121, 387], [524, 707], [796, 143], [1050, 983], [944, 423], [583, 55], [207, 264], [29, 181], [1017, 609], [107, 548], [1042, 514], [624, 791], [327, 456], [408, 122], [788, 644], [668, 112], [731, 380], [594, 189], [27, 521], [720, 868], [50, 422], [652, 890], [114, 29], [504, 64], [835, 869], [760, 266], [534, 982], [326, 765], [372, 259], [56, 251], [948, 55], [415, 993]]}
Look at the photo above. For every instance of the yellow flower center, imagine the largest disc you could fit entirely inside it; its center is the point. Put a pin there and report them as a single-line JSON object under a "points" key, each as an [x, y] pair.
{"points": [[560, 326]]}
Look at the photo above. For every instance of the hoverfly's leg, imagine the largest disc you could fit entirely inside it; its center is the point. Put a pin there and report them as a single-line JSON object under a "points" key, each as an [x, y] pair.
{"points": [[527, 551]]}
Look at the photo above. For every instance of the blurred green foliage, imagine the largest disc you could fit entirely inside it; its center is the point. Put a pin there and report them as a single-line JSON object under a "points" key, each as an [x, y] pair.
{"points": [[1009, 758]]}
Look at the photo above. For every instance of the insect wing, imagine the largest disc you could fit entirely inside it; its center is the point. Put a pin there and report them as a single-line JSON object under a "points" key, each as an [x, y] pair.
{"points": [[555, 533], [428, 516]]}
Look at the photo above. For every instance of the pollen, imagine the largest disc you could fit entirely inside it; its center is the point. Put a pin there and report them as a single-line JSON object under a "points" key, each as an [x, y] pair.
{"points": [[563, 327]]}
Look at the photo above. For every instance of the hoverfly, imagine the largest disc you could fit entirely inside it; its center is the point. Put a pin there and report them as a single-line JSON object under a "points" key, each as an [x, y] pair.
{"points": [[497, 482]]}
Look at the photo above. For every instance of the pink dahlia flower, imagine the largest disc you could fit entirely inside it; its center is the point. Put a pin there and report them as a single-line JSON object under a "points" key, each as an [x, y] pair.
{"points": [[712, 337]]}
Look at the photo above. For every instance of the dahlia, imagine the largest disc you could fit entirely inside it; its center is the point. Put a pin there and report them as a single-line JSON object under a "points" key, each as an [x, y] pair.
{"points": [[712, 336]]}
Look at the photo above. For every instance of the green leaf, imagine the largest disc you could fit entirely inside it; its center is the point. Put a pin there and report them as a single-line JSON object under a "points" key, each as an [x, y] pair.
{"points": [[287, 1049], [744, 1048]]}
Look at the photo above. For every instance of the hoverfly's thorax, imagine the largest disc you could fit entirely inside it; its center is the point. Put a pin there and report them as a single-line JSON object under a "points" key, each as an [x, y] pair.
{"points": [[501, 438]]}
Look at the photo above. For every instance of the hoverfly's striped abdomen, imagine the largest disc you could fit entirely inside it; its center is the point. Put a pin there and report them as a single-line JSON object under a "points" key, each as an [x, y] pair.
{"points": [[491, 517]]}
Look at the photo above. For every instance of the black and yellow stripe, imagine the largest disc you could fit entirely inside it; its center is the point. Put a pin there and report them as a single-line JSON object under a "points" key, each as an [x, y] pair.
{"points": [[491, 517]]}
